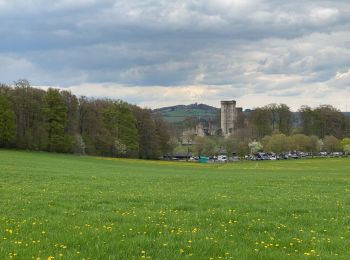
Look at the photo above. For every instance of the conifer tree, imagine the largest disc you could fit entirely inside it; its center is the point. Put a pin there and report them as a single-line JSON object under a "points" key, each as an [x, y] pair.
{"points": [[56, 118]]}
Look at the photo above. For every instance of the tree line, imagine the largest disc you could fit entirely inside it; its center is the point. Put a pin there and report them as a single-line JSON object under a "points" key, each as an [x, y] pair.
{"points": [[58, 121], [276, 143], [322, 121]]}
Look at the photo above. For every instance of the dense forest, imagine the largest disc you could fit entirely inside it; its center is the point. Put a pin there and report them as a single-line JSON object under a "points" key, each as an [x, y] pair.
{"points": [[58, 121], [321, 121]]}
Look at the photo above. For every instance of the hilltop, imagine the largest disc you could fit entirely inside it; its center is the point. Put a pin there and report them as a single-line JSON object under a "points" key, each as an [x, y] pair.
{"points": [[175, 114]]}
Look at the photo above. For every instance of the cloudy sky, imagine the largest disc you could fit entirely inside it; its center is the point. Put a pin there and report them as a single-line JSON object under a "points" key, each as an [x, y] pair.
{"points": [[156, 53]]}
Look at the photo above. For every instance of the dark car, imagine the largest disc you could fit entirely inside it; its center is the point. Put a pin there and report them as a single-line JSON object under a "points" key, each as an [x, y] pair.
{"points": [[282, 156], [262, 156]]}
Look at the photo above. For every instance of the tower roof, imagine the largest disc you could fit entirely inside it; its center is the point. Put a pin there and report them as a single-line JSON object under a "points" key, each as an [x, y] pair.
{"points": [[228, 102]]}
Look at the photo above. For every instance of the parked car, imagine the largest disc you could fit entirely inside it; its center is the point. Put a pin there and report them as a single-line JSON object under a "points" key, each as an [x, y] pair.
{"points": [[253, 158], [337, 154], [234, 159], [203, 159], [294, 156], [259, 156], [222, 158], [283, 156], [273, 157], [303, 154]]}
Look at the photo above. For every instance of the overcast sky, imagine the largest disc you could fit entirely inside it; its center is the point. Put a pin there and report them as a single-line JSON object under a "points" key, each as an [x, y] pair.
{"points": [[156, 53]]}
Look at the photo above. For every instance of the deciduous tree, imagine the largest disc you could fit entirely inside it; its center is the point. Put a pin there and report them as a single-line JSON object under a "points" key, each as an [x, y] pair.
{"points": [[7, 122], [330, 143]]}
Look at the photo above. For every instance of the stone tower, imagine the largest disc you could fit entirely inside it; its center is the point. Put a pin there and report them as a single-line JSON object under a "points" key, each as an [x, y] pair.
{"points": [[229, 116]]}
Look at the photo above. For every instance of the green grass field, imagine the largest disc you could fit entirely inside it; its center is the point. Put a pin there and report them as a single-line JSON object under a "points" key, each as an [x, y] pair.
{"points": [[70, 207]]}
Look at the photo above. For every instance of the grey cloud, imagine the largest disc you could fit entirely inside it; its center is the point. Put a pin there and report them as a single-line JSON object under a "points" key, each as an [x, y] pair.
{"points": [[246, 46]]}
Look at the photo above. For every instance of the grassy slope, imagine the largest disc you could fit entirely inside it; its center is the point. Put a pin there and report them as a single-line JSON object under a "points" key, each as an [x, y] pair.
{"points": [[123, 209], [180, 113]]}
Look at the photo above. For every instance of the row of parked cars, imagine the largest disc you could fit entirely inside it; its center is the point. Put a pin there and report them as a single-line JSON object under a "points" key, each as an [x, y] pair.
{"points": [[261, 156], [290, 155]]}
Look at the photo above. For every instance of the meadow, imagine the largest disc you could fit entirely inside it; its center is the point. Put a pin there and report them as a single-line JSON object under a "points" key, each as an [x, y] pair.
{"points": [[69, 207]]}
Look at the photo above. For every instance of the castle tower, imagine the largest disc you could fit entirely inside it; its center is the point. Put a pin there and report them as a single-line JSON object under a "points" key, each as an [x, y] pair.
{"points": [[228, 117]]}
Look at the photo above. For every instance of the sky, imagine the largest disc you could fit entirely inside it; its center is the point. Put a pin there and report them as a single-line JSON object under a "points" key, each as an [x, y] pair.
{"points": [[158, 53]]}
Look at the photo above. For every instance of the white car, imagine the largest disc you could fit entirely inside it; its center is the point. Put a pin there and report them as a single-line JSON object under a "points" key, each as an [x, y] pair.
{"points": [[222, 158], [337, 154], [273, 157]]}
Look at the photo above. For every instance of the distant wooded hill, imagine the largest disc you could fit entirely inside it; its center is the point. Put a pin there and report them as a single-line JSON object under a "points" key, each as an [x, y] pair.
{"points": [[178, 113]]}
